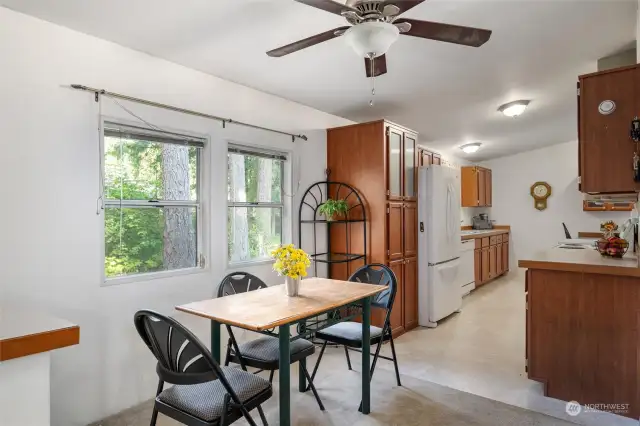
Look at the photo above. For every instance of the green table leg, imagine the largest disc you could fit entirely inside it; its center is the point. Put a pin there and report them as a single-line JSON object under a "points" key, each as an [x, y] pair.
{"points": [[215, 340], [285, 376], [366, 350], [302, 364]]}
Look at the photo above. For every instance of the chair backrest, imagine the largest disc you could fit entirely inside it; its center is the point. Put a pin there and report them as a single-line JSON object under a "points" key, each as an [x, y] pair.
{"points": [[379, 274], [566, 231], [182, 358], [239, 282]]}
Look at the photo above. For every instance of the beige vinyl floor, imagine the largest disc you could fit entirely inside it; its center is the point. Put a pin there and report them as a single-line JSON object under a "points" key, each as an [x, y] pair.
{"points": [[467, 371]]}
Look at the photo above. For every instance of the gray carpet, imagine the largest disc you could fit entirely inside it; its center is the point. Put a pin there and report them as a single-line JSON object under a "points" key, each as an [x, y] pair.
{"points": [[417, 402]]}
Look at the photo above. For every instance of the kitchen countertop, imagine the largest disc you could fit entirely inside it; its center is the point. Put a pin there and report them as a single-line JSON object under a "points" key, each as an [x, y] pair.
{"points": [[487, 233], [25, 332], [587, 260]]}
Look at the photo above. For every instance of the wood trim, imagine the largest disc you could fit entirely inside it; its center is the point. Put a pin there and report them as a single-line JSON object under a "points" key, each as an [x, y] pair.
{"points": [[589, 234], [609, 71], [32, 344]]}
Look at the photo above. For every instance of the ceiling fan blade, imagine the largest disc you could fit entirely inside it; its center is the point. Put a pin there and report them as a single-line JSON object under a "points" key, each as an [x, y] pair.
{"points": [[457, 34], [307, 42], [403, 5], [379, 66], [328, 6]]}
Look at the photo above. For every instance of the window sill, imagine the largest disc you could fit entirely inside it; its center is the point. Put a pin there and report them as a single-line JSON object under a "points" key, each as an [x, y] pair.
{"points": [[107, 282], [249, 263]]}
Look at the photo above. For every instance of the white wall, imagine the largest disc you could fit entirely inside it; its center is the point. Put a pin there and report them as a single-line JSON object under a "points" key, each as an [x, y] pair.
{"points": [[51, 240], [534, 230]]}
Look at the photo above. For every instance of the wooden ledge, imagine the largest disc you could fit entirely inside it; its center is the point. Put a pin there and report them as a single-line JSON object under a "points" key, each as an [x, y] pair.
{"points": [[17, 347]]}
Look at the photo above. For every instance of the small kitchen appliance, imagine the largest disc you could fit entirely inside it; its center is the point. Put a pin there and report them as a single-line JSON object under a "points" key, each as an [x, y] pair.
{"points": [[482, 222]]}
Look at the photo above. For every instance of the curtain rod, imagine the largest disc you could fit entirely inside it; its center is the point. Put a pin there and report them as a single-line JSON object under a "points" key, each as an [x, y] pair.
{"points": [[224, 121]]}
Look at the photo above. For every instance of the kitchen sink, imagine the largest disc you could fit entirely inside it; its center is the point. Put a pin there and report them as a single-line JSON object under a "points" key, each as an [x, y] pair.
{"points": [[475, 231]]}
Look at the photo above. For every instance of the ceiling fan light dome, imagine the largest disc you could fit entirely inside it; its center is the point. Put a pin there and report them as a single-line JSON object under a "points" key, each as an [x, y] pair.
{"points": [[371, 38]]}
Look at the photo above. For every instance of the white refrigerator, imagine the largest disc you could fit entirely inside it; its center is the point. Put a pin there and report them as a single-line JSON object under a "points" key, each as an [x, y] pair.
{"points": [[439, 275]]}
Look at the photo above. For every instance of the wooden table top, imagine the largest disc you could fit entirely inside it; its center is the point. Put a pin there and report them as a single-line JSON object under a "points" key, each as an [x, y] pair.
{"points": [[270, 307]]}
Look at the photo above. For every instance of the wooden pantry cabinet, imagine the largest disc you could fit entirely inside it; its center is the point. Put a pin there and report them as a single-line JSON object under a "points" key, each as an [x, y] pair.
{"points": [[605, 149], [476, 186], [380, 160]]}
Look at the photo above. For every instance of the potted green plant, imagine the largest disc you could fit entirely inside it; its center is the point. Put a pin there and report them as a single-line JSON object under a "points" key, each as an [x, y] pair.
{"points": [[332, 208]]}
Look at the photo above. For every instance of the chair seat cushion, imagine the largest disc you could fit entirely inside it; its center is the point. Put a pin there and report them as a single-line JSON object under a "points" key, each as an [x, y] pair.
{"points": [[206, 400], [266, 350], [348, 333]]}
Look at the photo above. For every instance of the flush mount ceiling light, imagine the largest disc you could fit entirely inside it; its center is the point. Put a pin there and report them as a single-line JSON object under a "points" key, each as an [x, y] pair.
{"points": [[470, 148], [514, 109]]}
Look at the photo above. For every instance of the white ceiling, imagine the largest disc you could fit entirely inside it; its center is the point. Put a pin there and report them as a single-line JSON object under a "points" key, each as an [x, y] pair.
{"points": [[446, 92]]}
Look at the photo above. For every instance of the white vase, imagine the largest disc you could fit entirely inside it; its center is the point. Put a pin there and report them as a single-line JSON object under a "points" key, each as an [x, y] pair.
{"points": [[293, 286]]}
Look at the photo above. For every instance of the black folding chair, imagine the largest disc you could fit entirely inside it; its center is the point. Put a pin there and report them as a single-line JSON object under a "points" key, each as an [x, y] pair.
{"points": [[204, 394], [262, 353], [349, 334]]}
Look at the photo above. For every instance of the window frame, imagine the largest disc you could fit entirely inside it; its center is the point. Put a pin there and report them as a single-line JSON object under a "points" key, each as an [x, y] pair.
{"points": [[202, 264], [284, 205]]}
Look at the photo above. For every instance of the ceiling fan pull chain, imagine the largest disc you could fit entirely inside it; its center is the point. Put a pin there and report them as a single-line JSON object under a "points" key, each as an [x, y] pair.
{"points": [[373, 78]]}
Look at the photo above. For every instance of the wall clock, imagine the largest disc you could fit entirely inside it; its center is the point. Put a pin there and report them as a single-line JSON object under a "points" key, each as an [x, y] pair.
{"points": [[540, 191]]}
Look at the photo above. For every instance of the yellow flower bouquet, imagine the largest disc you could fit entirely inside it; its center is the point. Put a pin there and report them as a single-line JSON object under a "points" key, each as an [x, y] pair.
{"points": [[292, 263]]}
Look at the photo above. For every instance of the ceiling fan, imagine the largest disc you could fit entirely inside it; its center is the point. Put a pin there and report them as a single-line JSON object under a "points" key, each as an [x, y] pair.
{"points": [[376, 26]]}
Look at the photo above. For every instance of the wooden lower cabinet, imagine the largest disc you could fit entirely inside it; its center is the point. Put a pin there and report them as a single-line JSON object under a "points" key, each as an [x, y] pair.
{"points": [[397, 313], [505, 256], [477, 266], [492, 260], [410, 278], [484, 265]]}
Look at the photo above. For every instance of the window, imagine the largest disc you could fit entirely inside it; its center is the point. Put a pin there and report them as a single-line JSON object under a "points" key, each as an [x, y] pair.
{"points": [[151, 199], [255, 203]]}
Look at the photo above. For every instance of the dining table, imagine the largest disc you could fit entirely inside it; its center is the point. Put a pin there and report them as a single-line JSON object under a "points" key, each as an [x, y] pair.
{"points": [[321, 302]]}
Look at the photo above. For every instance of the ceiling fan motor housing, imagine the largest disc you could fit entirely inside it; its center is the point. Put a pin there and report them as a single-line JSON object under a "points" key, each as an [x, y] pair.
{"points": [[368, 11]]}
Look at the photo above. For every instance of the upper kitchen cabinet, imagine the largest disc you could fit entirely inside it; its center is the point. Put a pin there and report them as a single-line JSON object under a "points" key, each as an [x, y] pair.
{"points": [[402, 163], [607, 103], [426, 157], [477, 187]]}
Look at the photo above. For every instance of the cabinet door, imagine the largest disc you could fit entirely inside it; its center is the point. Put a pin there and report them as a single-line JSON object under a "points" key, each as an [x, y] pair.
{"points": [[605, 148], [410, 229], [394, 163], [499, 267], [493, 261], [410, 278], [488, 188], [484, 261], [397, 312], [409, 163], [427, 158], [482, 186], [469, 186], [505, 256], [395, 232], [437, 159], [477, 266]]}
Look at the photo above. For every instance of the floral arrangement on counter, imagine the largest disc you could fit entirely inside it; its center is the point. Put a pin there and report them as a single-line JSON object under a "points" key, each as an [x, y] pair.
{"points": [[291, 261], [611, 245]]}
